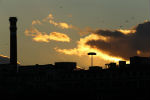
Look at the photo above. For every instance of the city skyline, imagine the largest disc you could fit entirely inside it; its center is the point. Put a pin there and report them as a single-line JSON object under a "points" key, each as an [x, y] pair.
{"points": [[37, 46]]}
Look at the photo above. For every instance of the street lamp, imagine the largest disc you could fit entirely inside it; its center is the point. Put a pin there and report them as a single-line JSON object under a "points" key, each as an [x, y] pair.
{"points": [[91, 53]]}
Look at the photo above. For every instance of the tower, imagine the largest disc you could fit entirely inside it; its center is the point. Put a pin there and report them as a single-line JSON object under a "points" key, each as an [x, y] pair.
{"points": [[13, 41]]}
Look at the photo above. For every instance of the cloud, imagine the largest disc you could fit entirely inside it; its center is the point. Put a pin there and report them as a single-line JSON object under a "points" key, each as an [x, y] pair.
{"points": [[36, 22], [127, 31], [49, 17], [82, 48], [114, 45], [56, 36], [59, 37], [63, 25], [44, 37], [4, 59], [120, 44]]}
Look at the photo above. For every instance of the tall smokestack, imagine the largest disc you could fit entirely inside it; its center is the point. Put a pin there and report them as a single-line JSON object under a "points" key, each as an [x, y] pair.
{"points": [[13, 40]]}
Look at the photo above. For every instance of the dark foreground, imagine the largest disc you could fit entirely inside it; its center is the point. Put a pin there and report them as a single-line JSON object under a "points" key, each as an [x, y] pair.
{"points": [[107, 94]]}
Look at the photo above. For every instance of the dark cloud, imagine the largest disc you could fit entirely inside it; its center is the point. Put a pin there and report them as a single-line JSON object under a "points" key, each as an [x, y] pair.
{"points": [[4, 60], [124, 45]]}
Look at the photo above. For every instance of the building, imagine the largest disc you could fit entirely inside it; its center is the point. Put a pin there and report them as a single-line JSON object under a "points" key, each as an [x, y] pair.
{"points": [[65, 66], [122, 64], [139, 60]]}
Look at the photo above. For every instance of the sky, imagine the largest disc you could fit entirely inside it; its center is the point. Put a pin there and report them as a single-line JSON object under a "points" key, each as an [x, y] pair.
{"points": [[51, 31]]}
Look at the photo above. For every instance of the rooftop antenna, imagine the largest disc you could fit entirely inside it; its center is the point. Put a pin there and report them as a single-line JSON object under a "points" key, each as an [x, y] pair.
{"points": [[91, 53]]}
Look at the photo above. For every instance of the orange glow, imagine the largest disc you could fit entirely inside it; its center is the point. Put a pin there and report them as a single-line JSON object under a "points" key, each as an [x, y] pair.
{"points": [[4, 56], [41, 38], [83, 49], [44, 37], [62, 25], [36, 22], [127, 31], [146, 20], [53, 23], [138, 52], [59, 37], [49, 17]]}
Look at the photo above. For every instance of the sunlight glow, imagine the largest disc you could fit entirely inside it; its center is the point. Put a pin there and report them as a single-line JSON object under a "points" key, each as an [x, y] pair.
{"points": [[83, 49], [127, 31]]}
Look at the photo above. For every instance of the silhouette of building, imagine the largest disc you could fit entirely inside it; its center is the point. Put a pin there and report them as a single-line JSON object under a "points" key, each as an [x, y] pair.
{"points": [[141, 63], [95, 68], [122, 64], [65, 66], [139, 60]]}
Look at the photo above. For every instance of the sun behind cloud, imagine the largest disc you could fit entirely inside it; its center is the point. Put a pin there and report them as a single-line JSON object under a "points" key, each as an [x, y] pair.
{"points": [[110, 45], [113, 45]]}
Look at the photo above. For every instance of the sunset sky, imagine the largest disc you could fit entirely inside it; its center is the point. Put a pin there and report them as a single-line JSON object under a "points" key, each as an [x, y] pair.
{"points": [[66, 30]]}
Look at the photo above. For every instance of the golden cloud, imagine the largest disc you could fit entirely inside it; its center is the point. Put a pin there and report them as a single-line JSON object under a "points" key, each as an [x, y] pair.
{"points": [[59, 37], [64, 25], [44, 37], [36, 22], [127, 31], [49, 17], [61, 25], [4, 56], [83, 48]]}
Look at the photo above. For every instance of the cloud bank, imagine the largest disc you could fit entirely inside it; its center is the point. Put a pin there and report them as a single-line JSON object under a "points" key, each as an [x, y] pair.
{"points": [[38, 36], [114, 45], [136, 42], [110, 45]]}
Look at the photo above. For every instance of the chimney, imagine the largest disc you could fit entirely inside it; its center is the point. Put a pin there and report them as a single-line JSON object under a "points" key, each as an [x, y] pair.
{"points": [[13, 41]]}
